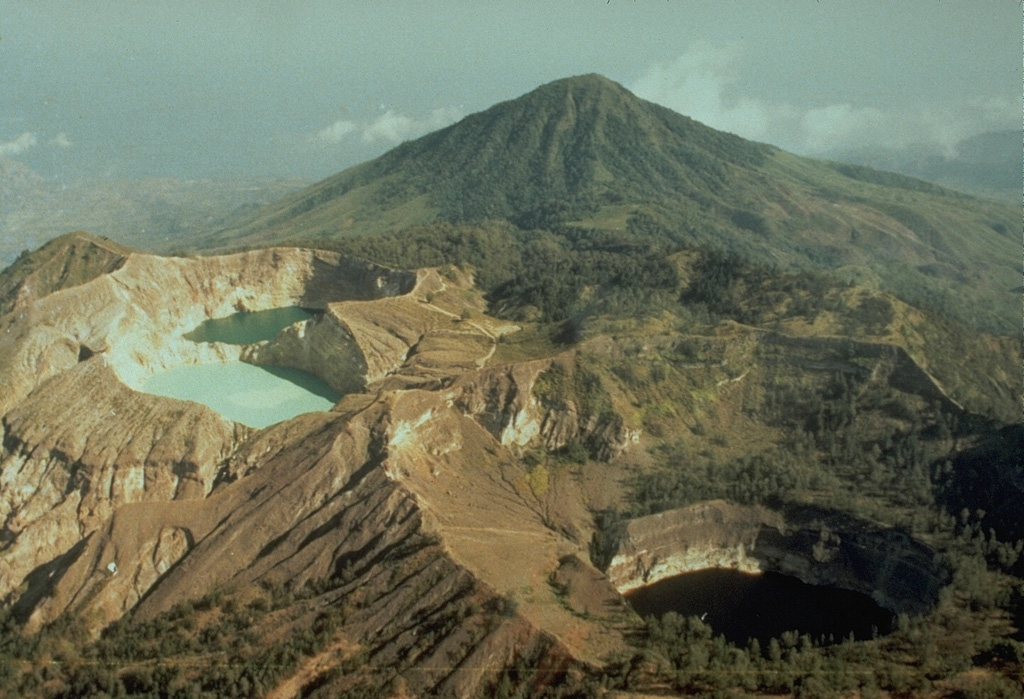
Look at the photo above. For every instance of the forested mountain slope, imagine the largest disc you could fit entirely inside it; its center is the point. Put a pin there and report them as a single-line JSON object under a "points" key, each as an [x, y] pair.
{"points": [[587, 153]]}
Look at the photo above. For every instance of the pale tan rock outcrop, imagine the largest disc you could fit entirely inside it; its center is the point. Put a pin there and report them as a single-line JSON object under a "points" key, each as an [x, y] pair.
{"points": [[81, 446], [321, 346], [137, 314], [502, 400], [414, 525], [78, 442], [714, 534]]}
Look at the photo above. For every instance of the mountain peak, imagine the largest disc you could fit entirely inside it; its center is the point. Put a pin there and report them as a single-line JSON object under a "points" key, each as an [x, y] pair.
{"points": [[593, 82], [574, 144], [592, 90], [585, 151]]}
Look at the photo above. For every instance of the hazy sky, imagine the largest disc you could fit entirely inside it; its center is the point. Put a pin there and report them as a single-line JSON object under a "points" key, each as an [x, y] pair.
{"points": [[309, 87]]}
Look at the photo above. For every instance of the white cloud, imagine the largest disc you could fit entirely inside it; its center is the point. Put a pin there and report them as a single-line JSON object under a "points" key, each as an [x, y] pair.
{"points": [[825, 128], [839, 127], [701, 84], [19, 145], [696, 84], [442, 117], [390, 127], [61, 140], [336, 132]]}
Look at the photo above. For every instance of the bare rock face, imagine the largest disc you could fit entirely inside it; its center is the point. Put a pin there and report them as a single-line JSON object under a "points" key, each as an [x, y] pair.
{"points": [[82, 445], [136, 315], [502, 400], [78, 443], [321, 346], [899, 573], [707, 535]]}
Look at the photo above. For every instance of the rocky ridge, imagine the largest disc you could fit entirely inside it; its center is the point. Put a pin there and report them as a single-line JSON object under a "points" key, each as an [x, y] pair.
{"points": [[115, 501]]}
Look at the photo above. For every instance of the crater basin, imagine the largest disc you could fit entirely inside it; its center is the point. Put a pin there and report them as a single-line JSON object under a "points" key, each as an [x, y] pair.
{"points": [[256, 396], [742, 606]]}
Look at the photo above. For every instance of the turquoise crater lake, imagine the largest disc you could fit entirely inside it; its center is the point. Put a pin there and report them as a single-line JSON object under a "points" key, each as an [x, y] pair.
{"points": [[248, 327], [255, 396]]}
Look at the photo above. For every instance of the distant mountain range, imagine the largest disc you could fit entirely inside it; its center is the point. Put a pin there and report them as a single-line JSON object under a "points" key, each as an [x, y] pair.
{"points": [[988, 164], [584, 152]]}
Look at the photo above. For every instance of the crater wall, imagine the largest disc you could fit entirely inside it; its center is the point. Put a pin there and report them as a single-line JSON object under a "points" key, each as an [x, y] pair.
{"points": [[78, 443], [136, 315], [321, 346], [898, 572]]}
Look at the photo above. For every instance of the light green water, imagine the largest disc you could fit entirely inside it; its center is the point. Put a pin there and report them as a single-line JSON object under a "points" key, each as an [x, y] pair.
{"points": [[255, 396], [247, 328]]}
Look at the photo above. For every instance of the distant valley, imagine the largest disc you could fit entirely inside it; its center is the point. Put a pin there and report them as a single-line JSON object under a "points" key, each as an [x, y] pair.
{"points": [[158, 214]]}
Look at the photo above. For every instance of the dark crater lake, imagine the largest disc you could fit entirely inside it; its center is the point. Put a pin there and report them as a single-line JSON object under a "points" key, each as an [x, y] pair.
{"points": [[741, 606]]}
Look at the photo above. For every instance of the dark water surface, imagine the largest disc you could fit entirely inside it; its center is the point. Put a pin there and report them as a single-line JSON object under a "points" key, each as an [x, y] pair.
{"points": [[247, 328], [742, 606]]}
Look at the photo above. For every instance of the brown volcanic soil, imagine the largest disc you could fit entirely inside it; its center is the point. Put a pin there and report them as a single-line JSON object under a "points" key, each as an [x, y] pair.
{"points": [[409, 497]]}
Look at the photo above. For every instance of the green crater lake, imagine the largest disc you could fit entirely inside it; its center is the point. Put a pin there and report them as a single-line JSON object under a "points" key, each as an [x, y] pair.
{"points": [[248, 328], [255, 396]]}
